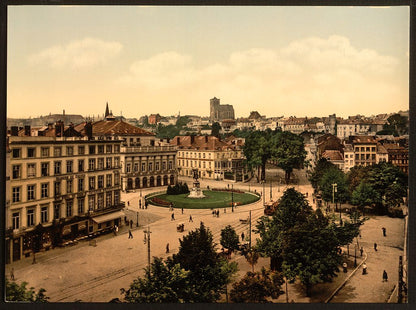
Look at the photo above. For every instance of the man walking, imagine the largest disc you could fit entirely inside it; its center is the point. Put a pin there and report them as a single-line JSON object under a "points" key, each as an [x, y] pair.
{"points": [[131, 223], [361, 251], [130, 234], [12, 274], [242, 236], [384, 231], [167, 248], [375, 246], [190, 218], [172, 217], [385, 276]]}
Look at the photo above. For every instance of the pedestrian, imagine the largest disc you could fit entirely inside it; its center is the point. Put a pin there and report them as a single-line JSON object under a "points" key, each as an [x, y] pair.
{"points": [[190, 218], [172, 217], [364, 268], [344, 267], [125, 220], [384, 231], [128, 203], [114, 231], [140, 204], [218, 213], [242, 236], [307, 194], [361, 251], [385, 276], [167, 248], [146, 204], [130, 235], [12, 274], [225, 210], [375, 246], [131, 223], [182, 210]]}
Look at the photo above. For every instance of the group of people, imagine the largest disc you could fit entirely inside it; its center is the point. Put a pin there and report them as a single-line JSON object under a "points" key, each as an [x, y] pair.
{"points": [[216, 213]]}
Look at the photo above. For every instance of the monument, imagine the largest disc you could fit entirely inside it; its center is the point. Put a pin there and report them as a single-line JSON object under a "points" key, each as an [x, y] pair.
{"points": [[196, 191]]}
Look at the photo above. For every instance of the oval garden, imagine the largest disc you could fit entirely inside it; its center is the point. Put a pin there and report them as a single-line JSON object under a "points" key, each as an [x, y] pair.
{"points": [[214, 198]]}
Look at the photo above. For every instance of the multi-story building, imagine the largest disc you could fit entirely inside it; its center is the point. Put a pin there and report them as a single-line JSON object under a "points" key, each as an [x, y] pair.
{"points": [[398, 156], [219, 112], [365, 150], [214, 159], [349, 160], [63, 182], [146, 161]]}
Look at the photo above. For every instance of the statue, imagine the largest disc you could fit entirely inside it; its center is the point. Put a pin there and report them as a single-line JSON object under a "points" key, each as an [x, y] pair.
{"points": [[196, 191]]}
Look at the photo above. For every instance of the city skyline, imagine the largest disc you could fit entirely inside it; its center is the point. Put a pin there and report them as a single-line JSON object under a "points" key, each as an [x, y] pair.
{"points": [[343, 60]]}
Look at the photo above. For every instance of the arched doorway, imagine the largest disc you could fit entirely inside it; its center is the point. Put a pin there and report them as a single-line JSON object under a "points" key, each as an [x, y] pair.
{"points": [[152, 181], [158, 180], [129, 184], [144, 182], [172, 180], [165, 180], [137, 183]]}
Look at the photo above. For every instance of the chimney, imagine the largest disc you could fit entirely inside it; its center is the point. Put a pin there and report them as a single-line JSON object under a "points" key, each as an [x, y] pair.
{"points": [[192, 139], [27, 130], [59, 129], [88, 130], [15, 131], [206, 139], [168, 140], [178, 140]]}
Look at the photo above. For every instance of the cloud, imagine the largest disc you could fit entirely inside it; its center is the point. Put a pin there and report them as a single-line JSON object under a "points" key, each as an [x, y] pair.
{"points": [[87, 52], [306, 74]]}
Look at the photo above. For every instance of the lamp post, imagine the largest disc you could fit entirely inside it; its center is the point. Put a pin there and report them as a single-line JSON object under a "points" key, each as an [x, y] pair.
{"points": [[232, 198], [264, 194], [271, 196], [355, 256], [137, 218], [147, 240], [334, 190]]}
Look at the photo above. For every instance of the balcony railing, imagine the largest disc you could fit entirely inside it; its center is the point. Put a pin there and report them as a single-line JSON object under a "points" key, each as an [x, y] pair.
{"points": [[144, 149]]}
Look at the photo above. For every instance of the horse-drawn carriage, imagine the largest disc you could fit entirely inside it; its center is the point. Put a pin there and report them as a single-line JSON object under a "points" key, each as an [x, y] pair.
{"points": [[180, 227]]}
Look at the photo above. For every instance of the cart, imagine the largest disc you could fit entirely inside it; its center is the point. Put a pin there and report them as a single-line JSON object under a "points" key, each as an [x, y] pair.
{"points": [[180, 227]]}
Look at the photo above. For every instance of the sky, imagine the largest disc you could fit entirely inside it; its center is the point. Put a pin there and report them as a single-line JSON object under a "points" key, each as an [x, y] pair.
{"points": [[279, 61]]}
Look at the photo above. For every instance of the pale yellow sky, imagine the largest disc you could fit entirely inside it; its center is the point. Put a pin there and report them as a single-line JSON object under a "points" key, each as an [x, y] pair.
{"points": [[311, 61]]}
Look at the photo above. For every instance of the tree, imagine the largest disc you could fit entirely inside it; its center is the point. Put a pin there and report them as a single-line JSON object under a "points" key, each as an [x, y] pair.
{"points": [[316, 175], [16, 292], [215, 131], [365, 195], [229, 238], [310, 251], [252, 256], [356, 175], [208, 272], [290, 152], [37, 240], [169, 131], [256, 287], [162, 283], [292, 208], [334, 176], [397, 123], [182, 121]]}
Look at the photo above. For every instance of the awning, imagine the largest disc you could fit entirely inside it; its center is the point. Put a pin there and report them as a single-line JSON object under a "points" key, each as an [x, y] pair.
{"points": [[108, 217]]}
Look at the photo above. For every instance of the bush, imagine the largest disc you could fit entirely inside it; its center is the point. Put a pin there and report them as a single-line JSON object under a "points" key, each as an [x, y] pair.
{"points": [[179, 188]]}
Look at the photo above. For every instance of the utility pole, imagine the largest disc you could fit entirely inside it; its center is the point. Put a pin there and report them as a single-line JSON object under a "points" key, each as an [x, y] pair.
{"points": [[232, 198], [147, 240], [271, 196], [264, 194], [137, 218], [249, 226], [400, 289]]}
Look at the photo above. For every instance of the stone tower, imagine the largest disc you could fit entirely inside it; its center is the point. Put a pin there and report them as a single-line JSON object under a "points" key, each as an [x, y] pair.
{"points": [[214, 104]]}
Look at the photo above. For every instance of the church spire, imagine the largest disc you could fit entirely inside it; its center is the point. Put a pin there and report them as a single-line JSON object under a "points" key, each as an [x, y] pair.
{"points": [[106, 111]]}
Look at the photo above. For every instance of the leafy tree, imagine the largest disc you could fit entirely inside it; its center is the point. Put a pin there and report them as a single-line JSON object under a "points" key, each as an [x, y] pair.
{"points": [[310, 251], [182, 122], [16, 292], [365, 195], [215, 131], [257, 287], [37, 240], [162, 283], [397, 123], [208, 272], [331, 176], [292, 208], [241, 133], [169, 131], [290, 152], [316, 175], [252, 256], [356, 175], [229, 238]]}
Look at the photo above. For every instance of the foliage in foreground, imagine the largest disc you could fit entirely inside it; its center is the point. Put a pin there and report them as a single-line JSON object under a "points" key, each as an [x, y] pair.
{"points": [[16, 292]]}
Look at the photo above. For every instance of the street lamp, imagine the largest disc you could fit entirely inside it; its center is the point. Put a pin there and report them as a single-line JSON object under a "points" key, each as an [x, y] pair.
{"points": [[334, 190], [137, 218], [264, 193], [232, 198], [271, 196]]}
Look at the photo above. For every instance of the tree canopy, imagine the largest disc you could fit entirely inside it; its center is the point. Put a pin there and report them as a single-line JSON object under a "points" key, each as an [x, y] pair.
{"points": [[215, 129], [229, 238], [318, 171], [19, 292], [334, 176]]}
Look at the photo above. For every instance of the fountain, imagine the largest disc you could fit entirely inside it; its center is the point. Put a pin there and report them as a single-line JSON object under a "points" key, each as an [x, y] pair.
{"points": [[196, 191]]}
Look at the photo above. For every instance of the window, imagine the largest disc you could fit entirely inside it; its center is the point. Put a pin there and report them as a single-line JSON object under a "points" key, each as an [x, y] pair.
{"points": [[136, 167], [164, 165], [69, 204], [30, 217], [100, 201], [57, 188], [44, 214], [44, 169], [128, 168], [143, 167], [373, 149], [80, 185], [16, 172], [101, 149], [157, 166], [45, 152], [108, 180], [16, 153], [152, 142], [57, 167], [16, 220], [108, 148], [357, 156], [150, 166], [116, 148], [108, 162], [100, 163], [367, 149], [81, 150], [57, 151], [91, 183], [80, 165], [30, 152], [100, 181], [170, 165], [108, 199], [69, 150], [31, 170], [69, 184], [44, 193], [116, 162], [91, 164], [91, 202], [57, 211], [116, 197], [69, 165], [81, 202], [117, 178], [203, 155], [91, 149], [30, 192]]}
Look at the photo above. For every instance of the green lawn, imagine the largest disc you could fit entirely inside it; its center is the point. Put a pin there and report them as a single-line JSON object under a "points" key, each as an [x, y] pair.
{"points": [[212, 200]]}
